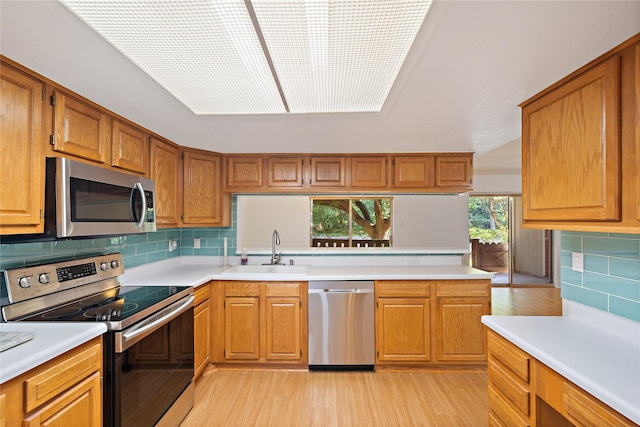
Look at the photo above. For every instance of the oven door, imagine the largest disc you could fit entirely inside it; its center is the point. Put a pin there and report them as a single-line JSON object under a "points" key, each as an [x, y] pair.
{"points": [[148, 366]]}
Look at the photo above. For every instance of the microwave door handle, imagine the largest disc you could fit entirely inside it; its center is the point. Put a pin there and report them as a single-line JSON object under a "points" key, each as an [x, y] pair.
{"points": [[138, 186]]}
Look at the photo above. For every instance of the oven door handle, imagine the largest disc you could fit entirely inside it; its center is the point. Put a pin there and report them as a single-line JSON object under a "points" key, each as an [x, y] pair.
{"points": [[126, 339]]}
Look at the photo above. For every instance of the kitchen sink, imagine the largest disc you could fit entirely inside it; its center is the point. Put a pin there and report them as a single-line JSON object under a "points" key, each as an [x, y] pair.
{"points": [[276, 269]]}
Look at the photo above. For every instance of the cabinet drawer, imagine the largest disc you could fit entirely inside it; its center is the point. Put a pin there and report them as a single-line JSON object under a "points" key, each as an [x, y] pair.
{"points": [[242, 289], [582, 409], [464, 288], [511, 357], [402, 289], [283, 289], [502, 413], [61, 374], [500, 379], [201, 293]]}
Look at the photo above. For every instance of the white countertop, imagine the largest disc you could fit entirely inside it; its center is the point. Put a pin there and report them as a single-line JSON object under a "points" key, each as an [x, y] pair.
{"points": [[51, 340], [601, 362], [191, 271]]}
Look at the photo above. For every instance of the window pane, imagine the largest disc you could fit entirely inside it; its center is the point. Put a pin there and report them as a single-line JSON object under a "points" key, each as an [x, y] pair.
{"points": [[370, 222]]}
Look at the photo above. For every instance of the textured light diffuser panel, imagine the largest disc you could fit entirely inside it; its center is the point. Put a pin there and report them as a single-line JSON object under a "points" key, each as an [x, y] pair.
{"points": [[338, 56], [205, 53], [329, 56]]}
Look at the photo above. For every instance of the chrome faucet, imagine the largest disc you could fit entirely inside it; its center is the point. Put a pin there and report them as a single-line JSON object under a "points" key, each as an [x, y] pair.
{"points": [[275, 240]]}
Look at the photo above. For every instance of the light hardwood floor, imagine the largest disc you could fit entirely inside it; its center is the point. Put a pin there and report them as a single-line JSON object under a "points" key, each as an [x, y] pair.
{"points": [[342, 399]]}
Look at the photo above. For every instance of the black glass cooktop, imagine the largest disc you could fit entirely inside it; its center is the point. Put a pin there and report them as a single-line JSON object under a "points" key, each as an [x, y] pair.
{"points": [[113, 305]]}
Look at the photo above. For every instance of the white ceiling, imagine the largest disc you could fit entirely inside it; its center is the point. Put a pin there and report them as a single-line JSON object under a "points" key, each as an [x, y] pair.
{"points": [[472, 63]]}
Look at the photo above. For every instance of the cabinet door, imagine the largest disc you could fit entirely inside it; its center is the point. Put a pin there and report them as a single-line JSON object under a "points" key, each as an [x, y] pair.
{"points": [[283, 329], [165, 166], [413, 172], [80, 129], [242, 328], [454, 171], [403, 330], [369, 171], [284, 171], [460, 335], [80, 406], [202, 195], [130, 148], [202, 337], [244, 172], [636, 85], [21, 153], [328, 172], [571, 149]]}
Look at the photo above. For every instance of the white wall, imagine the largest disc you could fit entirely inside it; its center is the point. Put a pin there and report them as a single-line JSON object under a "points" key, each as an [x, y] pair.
{"points": [[491, 184], [419, 221]]}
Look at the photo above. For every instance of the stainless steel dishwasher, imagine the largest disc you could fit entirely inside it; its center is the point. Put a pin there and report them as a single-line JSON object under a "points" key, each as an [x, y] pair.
{"points": [[341, 327]]}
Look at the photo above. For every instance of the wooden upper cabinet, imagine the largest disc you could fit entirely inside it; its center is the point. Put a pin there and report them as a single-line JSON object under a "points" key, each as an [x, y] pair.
{"points": [[454, 171], [413, 171], [635, 106], [284, 171], [165, 171], [129, 148], [80, 129], [203, 202], [244, 172], [21, 152], [328, 171], [369, 171], [571, 149]]}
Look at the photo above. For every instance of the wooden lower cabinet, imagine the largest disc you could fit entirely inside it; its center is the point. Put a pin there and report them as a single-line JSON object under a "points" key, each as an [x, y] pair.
{"points": [[201, 330], [431, 322], [460, 335], [525, 392], [66, 391], [403, 322], [262, 323]]}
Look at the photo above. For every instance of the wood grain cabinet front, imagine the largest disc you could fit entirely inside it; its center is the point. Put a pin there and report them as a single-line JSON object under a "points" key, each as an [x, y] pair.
{"points": [[328, 171], [580, 147], [413, 171], [460, 335], [264, 323], [454, 172], [165, 170], [203, 202], [21, 152], [431, 322], [369, 172], [80, 129], [66, 391], [201, 330], [130, 148], [243, 171], [284, 172]]}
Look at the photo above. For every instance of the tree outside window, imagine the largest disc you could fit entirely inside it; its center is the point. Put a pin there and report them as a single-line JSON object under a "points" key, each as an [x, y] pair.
{"points": [[351, 222]]}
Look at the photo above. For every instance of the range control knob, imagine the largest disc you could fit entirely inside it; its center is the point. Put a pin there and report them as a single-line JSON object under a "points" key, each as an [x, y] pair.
{"points": [[114, 264], [44, 278], [24, 282], [103, 266]]}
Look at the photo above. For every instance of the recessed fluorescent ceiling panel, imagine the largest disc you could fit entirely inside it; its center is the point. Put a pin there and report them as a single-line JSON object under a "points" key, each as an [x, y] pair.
{"points": [[317, 56]]}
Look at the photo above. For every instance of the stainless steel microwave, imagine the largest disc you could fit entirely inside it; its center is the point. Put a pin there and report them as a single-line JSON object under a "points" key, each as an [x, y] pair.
{"points": [[83, 200]]}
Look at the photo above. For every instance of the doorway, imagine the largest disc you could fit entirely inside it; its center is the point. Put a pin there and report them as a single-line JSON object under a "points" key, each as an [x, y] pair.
{"points": [[517, 256]]}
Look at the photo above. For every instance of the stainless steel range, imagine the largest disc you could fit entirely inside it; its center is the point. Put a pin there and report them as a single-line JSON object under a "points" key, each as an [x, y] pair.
{"points": [[148, 348]]}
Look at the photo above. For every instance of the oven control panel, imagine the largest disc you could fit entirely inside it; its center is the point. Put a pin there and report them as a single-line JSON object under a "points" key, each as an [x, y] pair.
{"points": [[25, 283]]}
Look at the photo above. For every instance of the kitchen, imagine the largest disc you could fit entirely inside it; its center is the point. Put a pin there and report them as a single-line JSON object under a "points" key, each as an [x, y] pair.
{"points": [[121, 79]]}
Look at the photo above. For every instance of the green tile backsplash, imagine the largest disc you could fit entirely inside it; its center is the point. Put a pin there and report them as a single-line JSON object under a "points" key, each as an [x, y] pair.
{"points": [[611, 277]]}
